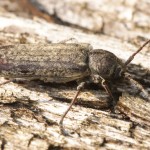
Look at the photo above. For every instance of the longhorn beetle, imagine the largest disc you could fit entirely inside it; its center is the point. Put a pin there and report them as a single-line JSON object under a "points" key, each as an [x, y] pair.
{"points": [[64, 62]]}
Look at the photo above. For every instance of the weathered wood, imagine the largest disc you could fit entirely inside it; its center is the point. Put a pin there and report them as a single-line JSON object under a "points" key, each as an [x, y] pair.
{"points": [[136, 109], [34, 120], [123, 19], [30, 112]]}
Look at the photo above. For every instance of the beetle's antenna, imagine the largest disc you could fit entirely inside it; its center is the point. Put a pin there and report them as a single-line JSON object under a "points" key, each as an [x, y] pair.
{"points": [[132, 56]]}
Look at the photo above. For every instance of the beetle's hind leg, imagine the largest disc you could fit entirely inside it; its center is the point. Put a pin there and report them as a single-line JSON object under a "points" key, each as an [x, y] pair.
{"points": [[5, 82], [15, 80], [72, 40]]}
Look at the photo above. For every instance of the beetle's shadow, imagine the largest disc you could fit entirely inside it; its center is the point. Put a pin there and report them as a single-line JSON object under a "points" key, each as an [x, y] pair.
{"points": [[140, 75], [91, 96]]}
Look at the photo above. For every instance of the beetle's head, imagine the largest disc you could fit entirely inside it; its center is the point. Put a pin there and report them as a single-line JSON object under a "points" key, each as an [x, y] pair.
{"points": [[106, 65]]}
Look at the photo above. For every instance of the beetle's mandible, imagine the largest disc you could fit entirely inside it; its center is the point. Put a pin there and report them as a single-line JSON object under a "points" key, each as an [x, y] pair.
{"points": [[64, 62]]}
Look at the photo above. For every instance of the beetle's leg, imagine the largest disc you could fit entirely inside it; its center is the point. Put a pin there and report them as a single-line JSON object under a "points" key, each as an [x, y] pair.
{"points": [[140, 88], [79, 88], [68, 40], [13, 80], [5, 82], [98, 79], [105, 86]]}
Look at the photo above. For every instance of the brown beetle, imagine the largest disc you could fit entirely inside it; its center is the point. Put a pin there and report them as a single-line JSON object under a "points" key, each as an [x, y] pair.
{"points": [[65, 62]]}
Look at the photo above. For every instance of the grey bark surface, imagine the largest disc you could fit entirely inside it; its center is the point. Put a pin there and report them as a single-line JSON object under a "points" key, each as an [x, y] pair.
{"points": [[124, 19], [30, 112]]}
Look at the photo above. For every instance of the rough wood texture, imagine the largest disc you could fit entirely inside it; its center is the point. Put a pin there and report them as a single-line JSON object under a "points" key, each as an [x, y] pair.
{"points": [[31, 119], [125, 19], [30, 112]]}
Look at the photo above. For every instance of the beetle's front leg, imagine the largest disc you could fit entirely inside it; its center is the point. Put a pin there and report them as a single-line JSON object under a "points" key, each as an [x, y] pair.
{"points": [[105, 86], [79, 88], [98, 79]]}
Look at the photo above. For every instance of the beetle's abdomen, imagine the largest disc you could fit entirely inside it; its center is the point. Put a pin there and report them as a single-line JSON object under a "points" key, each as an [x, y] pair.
{"points": [[105, 64]]}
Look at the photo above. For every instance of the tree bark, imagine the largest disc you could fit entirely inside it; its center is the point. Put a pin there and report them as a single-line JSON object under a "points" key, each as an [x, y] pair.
{"points": [[30, 112]]}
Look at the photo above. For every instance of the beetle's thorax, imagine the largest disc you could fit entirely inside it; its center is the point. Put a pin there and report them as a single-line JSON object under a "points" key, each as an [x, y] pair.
{"points": [[105, 64]]}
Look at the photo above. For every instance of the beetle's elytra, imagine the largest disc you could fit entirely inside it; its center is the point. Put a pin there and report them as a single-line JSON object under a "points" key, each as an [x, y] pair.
{"points": [[59, 63], [64, 62]]}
